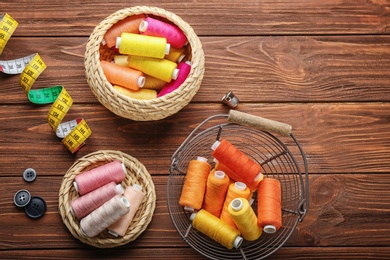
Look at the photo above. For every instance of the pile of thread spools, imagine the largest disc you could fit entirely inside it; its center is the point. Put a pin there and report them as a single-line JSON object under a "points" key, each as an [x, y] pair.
{"points": [[150, 57], [103, 203], [220, 198]]}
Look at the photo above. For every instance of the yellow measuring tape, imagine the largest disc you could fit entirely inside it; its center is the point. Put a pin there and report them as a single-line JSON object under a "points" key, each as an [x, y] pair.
{"points": [[75, 132]]}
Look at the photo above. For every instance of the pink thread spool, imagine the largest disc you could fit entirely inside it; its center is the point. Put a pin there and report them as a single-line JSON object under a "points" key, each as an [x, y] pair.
{"points": [[85, 182], [83, 205], [172, 33], [184, 70], [135, 195], [104, 216]]}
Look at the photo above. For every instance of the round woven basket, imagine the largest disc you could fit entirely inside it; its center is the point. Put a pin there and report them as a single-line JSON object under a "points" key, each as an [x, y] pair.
{"points": [[136, 174], [142, 110]]}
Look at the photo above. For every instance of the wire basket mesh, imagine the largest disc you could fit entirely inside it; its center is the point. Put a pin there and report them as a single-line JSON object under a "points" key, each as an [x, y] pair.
{"points": [[278, 160]]}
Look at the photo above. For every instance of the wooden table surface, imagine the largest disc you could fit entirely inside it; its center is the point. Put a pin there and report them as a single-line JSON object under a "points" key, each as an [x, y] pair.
{"points": [[321, 66]]}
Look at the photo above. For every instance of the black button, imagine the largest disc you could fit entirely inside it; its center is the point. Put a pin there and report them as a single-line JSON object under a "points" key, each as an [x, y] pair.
{"points": [[36, 208], [22, 198], [29, 174]]}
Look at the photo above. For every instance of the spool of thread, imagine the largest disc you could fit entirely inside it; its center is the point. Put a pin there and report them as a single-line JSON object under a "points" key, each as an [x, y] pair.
{"points": [[141, 94], [216, 189], [142, 45], [216, 229], [153, 83], [236, 190], [184, 70], [245, 219], [159, 68], [85, 182], [176, 54], [104, 216], [241, 164], [123, 76], [171, 32], [135, 196], [194, 187], [269, 205], [121, 59], [83, 205], [129, 24]]}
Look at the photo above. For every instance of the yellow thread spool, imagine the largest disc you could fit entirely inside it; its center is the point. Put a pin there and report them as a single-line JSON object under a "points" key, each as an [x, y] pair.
{"points": [[245, 219], [163, 69], [142, 45], [141, 94], [216, 229]]}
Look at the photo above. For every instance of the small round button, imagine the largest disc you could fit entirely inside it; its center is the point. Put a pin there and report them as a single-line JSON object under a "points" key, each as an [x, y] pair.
{"points": [[22, 198], [29, 175], [36, 208]]}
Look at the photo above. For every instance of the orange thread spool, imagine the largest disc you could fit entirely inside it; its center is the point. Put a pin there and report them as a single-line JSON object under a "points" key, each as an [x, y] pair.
{"points": [[123, 76], [216, 189], [236, 190], [269, 205], [244, 168], [129, 25], [194, 186]]}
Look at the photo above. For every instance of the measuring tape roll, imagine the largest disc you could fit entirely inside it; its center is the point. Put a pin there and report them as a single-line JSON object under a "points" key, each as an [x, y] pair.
{"points": [[75, 132]]}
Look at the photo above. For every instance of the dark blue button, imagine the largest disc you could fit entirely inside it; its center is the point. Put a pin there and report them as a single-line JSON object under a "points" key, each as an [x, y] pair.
{"points": [[36, 208], [29, 175], [22, 198]]}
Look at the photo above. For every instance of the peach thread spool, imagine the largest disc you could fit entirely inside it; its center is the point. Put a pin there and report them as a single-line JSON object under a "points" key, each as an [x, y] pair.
{"points": [[194, 187], [242, 165], [184, 70], [269, 205], [141, 94], [236, 190], [245, 219], [123, 76], [216, 189], [155, 27], [135, 196], [216, 229], [104, 216], [162, 69], [142, 45], [129, 24], [87, 181], [83, 205]]}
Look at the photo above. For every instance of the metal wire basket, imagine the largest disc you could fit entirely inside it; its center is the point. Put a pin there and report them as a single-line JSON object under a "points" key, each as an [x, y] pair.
{"points": [[281, 158]]}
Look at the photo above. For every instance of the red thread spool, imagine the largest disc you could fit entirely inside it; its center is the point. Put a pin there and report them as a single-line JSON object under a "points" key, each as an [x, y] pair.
{"points": [[269, 205], [83, 205], [155, 27], [184, 70], [85, 182], [246, 170], [194, 186], [216, 189]]}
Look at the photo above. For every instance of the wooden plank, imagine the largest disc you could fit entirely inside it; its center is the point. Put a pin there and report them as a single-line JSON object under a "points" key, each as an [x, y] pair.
{"points": [[360, 143], [337, 203], [257, 69], [230, 18]]}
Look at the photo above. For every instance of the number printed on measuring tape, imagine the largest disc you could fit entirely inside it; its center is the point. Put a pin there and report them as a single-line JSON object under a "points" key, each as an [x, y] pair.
{"points": [[73, 133]]}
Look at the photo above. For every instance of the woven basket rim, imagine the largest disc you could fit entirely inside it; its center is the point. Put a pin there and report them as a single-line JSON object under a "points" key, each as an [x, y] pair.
{"points": [[120, 104], [136, 173]]}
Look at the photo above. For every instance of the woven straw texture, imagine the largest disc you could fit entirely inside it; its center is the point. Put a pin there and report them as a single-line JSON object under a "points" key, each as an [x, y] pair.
{"points": [[136, 173], [142, 110]]}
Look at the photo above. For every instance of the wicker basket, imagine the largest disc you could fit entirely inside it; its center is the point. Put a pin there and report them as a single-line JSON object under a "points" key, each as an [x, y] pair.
{"points": [[142, 110], [136, 173]]}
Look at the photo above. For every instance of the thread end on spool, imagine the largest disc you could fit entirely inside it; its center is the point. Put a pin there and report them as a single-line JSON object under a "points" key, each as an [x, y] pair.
{"points": [[175, 74], [167, 48], [137, 187], [189, 209], [141, 81], [240, 185], [193, 215], [219, 175], [76, 187], [237, 204], [215, 145], [125, 201], [202, 159], [181, 58], [270, 229], [259, 177], [237, 242], [119, 189], [124, 168], [143, 26], [113, 233], [118, 42]]}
